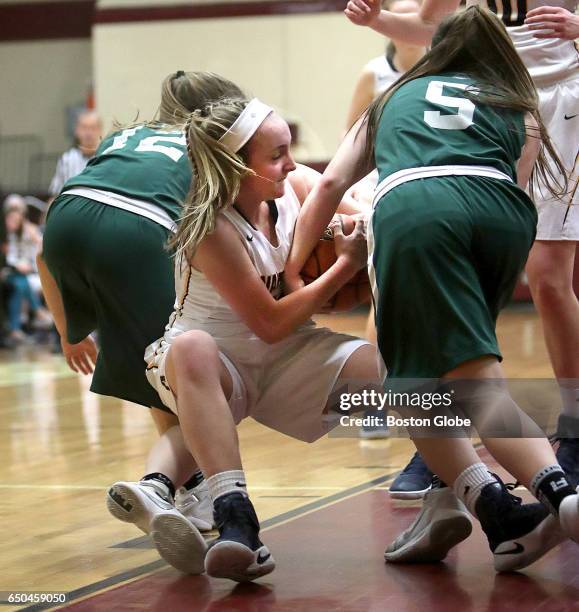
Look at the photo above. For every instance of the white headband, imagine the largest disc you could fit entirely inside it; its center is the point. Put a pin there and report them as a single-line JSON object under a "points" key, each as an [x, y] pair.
{"points": [[245, 126]]}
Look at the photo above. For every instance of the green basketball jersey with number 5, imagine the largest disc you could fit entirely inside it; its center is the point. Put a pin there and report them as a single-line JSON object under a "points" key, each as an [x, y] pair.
{"points": [[142, 163], [430, 122]]}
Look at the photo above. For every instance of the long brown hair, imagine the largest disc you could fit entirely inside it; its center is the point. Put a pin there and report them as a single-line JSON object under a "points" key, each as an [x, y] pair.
{"points": [[475, 42]]}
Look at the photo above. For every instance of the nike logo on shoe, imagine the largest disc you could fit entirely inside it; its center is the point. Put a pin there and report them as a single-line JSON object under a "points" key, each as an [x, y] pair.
{"points": [[250, 238], [241, 484], [262, 558], [516, 550], [567, 117]]}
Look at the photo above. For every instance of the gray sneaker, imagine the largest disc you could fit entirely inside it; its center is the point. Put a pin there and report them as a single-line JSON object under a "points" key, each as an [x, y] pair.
{"points": [[441, 524]]}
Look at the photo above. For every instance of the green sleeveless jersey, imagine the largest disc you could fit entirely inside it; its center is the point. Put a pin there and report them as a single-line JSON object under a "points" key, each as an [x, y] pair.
{"points": [[430, 122], [141, 163]]}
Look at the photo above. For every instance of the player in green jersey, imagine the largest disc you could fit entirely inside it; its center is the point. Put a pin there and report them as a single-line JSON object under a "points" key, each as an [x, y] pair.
{"points": [[105, 267], [455, 142]]}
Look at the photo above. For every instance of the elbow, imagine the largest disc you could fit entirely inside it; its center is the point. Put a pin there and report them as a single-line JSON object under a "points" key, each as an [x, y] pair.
{"points": [[331, 188], [269, 334], [268, 330]]}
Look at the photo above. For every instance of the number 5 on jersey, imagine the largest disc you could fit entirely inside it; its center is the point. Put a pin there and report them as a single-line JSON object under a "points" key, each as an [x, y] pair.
{"points": [[459, 121]]}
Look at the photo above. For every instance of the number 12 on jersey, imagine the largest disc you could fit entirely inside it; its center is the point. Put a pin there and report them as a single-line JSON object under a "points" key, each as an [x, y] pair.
{"points": [[151, 143]]}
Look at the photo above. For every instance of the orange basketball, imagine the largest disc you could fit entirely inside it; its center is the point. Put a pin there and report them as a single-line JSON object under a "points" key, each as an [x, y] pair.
{"points": [[357, 290]]}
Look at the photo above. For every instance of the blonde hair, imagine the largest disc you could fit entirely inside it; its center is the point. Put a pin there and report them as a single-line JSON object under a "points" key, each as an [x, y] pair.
{"points": [[217, 172], [184, 92], [476, 43]]}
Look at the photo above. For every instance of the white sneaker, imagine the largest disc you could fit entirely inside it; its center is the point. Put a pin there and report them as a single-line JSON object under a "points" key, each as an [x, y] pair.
{"points": [[569, 516], [179, 542], [196, 505], [442, 523], [147, 506], [138, 503]]}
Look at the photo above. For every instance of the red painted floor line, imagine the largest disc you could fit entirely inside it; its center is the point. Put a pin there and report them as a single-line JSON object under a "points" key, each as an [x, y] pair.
{"points": [[332, 559]]}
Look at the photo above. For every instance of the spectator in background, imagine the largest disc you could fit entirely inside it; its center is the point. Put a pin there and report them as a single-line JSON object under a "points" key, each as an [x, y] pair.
{"points": [[88, 134], [23, 240]]}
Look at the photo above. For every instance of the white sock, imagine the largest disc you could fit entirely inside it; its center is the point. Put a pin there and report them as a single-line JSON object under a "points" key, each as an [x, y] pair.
{"points": [[570, 399], [470, 482], [223, 483]]}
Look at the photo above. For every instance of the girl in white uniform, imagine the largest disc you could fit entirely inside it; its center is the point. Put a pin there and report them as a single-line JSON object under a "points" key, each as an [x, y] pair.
{"points": [[382, 71], [235, 346]]}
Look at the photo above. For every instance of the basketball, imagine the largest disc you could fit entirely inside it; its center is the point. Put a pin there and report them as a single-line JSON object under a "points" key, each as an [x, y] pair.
{"points": [[355, 292]]}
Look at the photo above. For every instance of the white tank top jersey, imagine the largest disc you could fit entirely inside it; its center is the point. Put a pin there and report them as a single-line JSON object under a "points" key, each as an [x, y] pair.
{"points": [[384, 73], [198, 305], [548, 60]]}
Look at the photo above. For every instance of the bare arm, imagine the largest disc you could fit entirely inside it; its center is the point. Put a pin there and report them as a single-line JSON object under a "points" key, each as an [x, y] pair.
{"points": [[81, 356], [226, 264], [412, 28], [529, 152], [303, 179], [361, 98], [553, 22], [345, 169]]}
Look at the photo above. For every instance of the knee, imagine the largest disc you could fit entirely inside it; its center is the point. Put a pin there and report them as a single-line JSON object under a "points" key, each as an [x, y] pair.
{"points": [[549, 288], [195, 354]]}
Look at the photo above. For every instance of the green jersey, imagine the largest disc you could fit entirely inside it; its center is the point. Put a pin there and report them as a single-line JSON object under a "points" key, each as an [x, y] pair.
{"points": [[430, 122], [142, 163]]}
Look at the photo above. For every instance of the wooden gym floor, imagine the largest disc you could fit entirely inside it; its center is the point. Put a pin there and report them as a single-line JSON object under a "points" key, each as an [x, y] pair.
{"points": [[325, 510]]}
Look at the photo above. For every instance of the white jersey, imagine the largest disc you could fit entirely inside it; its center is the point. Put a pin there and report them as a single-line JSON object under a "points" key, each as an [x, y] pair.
{"points": [[384, 73], [200, 306], [548, 60], [284, 385]]}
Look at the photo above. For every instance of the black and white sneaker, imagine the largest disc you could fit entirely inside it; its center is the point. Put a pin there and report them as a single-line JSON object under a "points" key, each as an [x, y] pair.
{"points": [[238, 553], [518, 534]]}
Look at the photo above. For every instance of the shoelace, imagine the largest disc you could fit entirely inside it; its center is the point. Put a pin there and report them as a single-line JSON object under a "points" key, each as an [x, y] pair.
{"points": [[513, 499]]}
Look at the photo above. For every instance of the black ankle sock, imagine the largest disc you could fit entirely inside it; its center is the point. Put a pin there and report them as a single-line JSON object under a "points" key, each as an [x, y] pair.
{"points": [[194, 481], [550, 487], [163, 479]]}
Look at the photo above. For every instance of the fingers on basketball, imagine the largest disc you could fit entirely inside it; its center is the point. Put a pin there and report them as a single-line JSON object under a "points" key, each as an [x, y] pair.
{"points": [[354, 293]]}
